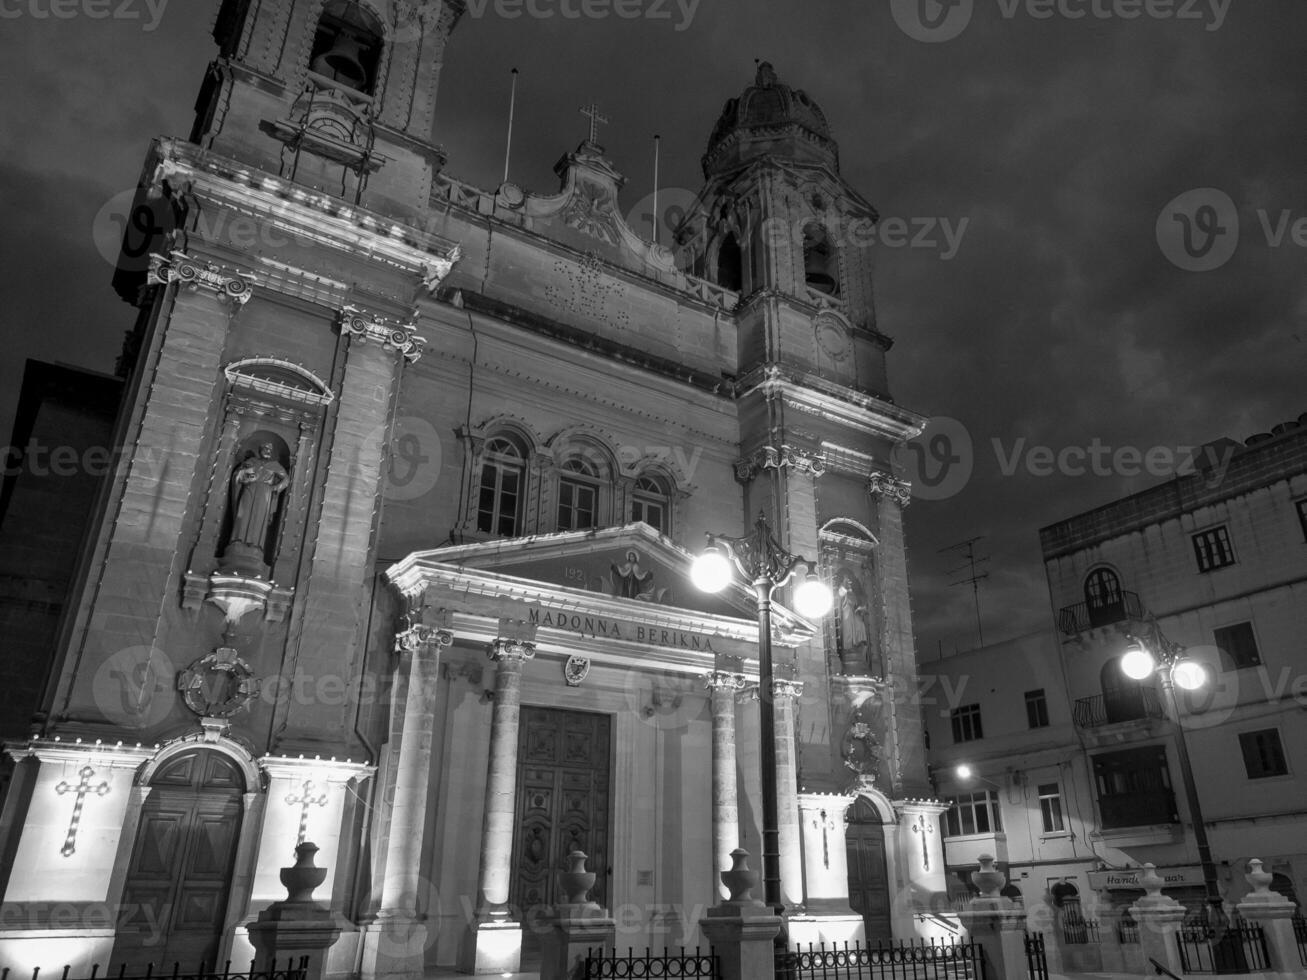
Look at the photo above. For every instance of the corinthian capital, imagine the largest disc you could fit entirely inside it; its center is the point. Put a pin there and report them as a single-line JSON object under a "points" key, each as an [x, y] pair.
{"points": [[192, 274], [897, 490]]}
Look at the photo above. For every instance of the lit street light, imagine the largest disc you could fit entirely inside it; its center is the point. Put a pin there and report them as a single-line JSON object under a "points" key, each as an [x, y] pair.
{"points": [[762, 561]]}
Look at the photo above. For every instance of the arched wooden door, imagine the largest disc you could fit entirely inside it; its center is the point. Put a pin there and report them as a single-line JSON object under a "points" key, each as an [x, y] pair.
{"points": [[175, 896], [868, 878]]}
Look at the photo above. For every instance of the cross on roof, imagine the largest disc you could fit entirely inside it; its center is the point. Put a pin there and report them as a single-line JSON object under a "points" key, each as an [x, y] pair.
{"points": [[596, 117]]}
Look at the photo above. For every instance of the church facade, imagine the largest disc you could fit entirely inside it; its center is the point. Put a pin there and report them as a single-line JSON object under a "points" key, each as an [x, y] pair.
{"points": [[398, 561]]}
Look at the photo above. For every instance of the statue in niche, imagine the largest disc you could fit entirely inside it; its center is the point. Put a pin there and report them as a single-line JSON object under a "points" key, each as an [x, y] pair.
{"points": [[256, 488], [851, 634]]}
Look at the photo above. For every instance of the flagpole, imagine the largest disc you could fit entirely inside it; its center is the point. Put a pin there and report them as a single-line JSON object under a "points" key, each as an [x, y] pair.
{"points": [[657, 145], [512, 105]]}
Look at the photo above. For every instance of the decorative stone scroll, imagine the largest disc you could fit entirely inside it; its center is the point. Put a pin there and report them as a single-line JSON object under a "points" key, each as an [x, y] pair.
{"points": [[231, 287], [897, 490], [413, 638], [390, 334], [776, 458], [506, 649], [785, 688]]}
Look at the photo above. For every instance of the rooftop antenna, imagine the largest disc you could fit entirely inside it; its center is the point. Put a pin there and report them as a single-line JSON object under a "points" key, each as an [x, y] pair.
{"points": [[512, 105], [972, 575], [657, 145]]}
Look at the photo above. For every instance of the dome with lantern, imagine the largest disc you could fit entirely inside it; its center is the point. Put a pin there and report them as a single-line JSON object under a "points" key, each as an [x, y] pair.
{"points": [[770, 119]]}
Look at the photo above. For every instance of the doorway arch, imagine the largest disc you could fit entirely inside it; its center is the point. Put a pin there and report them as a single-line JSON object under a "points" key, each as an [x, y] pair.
{"points": [[181, 867]]}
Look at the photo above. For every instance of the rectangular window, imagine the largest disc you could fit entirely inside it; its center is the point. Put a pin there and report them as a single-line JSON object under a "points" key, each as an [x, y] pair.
{"points": [[497, 501], [1134, 788], [1238, 645], [1302, 516], [1050, 807], [651, 512], [1036, 709], [1212, 549], [576, 506], [1263, 755], [966, 723], [973, 813]]}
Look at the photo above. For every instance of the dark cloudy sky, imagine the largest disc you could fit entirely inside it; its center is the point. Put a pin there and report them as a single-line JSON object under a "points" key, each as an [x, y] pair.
{"points": [[1060, 141]]}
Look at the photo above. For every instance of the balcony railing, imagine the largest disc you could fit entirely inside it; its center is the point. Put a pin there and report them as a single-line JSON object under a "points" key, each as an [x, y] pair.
{"points": [[1138, 704], [1083, 616], [1138, 809]]}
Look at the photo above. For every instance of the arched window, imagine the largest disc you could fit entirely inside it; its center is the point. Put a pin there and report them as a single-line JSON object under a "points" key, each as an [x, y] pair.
{"points": [[1103, 597], [347, 46], [651, 503], [820, 269], [730, 265], [503, 478], [578, 495]]}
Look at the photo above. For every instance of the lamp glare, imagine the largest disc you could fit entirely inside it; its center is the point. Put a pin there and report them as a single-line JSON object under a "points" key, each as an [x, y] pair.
{"points": [[964, 771], [1189, 675], [813, 598], [1137, 663], [711, 571]]}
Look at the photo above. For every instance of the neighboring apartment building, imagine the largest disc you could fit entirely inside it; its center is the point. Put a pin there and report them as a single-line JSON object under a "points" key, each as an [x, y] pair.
{"points": [[1086, 784]]}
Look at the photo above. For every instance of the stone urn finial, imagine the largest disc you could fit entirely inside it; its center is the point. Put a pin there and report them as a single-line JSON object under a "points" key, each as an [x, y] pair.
{"points": [[1259, 880], [1151, 881], [989, 880], [576, 882], [739, 880], [303, 876]]}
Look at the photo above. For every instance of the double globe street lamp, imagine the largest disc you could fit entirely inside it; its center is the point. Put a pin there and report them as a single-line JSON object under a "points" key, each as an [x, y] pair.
{"points": [[1157, 655], [761, 560]]}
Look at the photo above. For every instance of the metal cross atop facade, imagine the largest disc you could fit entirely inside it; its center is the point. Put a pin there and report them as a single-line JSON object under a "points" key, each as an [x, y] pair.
{"points": [[81, 789], [596, 118], [305, 800]]}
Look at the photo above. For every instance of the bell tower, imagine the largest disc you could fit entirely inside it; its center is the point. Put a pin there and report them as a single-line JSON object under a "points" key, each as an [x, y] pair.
{"points": [[778, 223], [336, 95]]}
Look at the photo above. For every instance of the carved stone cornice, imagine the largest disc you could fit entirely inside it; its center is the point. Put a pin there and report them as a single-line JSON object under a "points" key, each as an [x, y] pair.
{"points": [[894, 489], [510, 650], [233, 288], [776, 458], [392, 335], [412, 639]]}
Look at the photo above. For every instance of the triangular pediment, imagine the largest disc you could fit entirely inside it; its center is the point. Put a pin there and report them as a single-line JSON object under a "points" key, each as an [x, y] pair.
{"points": [[631, 564]]}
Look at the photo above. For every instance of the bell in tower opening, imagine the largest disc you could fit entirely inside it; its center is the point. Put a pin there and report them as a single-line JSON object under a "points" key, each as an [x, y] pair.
{"points": [[347, 46]]}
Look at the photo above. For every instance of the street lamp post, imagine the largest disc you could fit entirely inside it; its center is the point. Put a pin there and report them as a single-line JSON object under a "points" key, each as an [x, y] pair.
{"points": [[761, 559], [1166, 659]]}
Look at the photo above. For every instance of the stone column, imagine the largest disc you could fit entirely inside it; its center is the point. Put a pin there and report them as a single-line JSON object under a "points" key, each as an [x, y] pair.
{"points": [[1274, 913], [784, 694], [394, 945], [828, 918], [493, 942], [724, 685], [1159, 918]]}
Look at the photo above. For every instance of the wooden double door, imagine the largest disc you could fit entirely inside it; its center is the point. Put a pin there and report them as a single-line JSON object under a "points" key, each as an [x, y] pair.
{"points": [[175, 897], [868, 878], [563, 799]]}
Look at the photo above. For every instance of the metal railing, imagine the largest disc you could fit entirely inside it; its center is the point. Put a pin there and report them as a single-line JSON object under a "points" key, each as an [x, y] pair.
{"points": [[1127, 931], [1036, 957], [1081, 932], [1137, 704], [1236, 947], [896, 960], [696, 965], [292, 971], [1082, 617], [1300, 934]]}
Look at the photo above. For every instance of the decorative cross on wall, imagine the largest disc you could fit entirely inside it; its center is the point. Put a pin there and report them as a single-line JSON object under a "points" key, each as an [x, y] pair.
{"points": [[81, 789], [925, 829], [305, 800], [596, 117], [827, 826]]}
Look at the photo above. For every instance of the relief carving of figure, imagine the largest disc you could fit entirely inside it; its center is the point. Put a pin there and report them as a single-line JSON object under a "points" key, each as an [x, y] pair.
{"points": [[256, 487], [630, 582]]}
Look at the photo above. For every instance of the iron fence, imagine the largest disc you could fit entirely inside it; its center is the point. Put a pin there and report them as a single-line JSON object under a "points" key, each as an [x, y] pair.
{"points": [[1036, 956], [904, 960], [292, 971], [1081, 932], [1234, 947], [1127, 931], [1300, 934], [696, 965]]}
